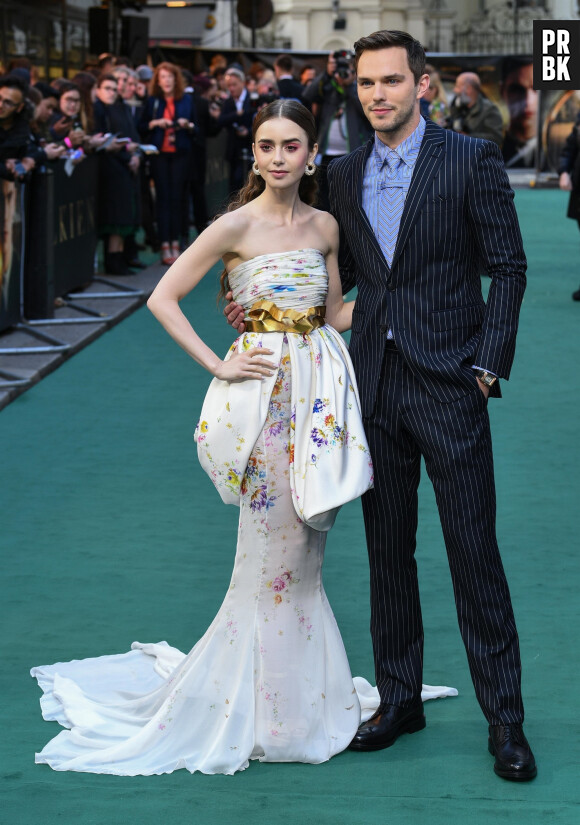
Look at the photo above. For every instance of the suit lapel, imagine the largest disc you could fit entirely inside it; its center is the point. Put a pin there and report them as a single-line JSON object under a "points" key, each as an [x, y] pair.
{"points": [[428, 162], [358, 175]]}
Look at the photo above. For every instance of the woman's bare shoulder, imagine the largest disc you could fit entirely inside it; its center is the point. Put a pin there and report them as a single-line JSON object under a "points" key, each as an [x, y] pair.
{"points": [[323, 220], [237, 221], [326, 226]]}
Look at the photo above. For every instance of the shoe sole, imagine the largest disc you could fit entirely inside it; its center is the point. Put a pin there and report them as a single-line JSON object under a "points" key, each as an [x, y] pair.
{"points": [[411, 727], [513, 775], [516, 776]]}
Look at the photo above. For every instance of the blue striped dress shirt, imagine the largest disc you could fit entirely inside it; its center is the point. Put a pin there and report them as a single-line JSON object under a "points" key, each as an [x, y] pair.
{"points": [[386, 181]]}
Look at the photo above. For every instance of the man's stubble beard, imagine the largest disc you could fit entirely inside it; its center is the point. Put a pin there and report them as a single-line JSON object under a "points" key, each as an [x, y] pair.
{"points": [[398, 123]]}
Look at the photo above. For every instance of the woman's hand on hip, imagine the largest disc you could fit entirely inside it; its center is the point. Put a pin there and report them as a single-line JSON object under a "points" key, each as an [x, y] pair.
{"points": [[246, 365]]}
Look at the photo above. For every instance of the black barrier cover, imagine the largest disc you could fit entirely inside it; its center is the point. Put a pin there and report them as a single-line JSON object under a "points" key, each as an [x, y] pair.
{"points": [[75, 227], [38, 279], [62, 234], [11, 249]]}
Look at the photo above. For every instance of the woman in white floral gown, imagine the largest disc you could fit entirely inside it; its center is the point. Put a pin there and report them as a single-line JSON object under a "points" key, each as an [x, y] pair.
{"points": [[280, 434]]}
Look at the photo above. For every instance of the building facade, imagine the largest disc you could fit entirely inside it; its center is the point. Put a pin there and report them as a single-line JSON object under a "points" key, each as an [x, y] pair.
{"points": [[465, 26]]}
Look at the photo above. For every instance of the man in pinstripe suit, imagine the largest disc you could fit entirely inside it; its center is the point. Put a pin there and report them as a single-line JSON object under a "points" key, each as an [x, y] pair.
{"points": [[421, 210]]}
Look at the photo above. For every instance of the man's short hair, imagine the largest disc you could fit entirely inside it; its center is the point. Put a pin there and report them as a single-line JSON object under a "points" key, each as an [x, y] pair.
{"points": [[105, 77], [472, 79], [284, 63], [387, 39], [8, 81], [236, 72], [105, 57]]}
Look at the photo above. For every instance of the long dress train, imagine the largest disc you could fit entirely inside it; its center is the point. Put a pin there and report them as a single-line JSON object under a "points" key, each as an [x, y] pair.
{"points": [[270, 679]]}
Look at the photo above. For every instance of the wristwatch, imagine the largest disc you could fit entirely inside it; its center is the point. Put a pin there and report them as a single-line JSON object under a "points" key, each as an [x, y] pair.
{"points": [[487, 378]]}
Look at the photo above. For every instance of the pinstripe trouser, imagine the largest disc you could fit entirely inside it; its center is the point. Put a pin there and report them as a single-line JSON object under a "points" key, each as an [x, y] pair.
{"points": [[455, 442]]}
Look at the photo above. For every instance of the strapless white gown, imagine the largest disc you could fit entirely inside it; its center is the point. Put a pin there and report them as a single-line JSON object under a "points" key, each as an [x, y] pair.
{"points": [[269, 680]]}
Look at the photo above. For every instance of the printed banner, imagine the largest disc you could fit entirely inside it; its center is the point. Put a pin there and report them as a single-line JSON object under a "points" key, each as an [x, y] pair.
{"points": [[11, 237]]}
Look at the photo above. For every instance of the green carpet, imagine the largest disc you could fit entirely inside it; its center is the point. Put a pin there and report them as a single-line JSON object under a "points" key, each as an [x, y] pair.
{"points": [[111, 533]]}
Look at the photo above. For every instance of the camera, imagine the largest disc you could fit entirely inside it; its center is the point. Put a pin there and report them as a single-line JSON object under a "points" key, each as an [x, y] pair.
{"points": [[261, 100], [456, 119], [343, 63]]}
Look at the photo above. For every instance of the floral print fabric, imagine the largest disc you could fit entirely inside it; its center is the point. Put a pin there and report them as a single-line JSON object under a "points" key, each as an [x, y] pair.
{"points": [[328, 457]]}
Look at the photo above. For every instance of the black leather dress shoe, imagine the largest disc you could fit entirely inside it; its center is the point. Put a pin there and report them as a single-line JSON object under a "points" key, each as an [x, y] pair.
{"points": [[513, 756], [388, 723], [576, 295]]}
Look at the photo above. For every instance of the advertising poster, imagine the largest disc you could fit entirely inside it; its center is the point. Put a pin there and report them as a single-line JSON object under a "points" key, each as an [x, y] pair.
{"points": [[10, 252]]}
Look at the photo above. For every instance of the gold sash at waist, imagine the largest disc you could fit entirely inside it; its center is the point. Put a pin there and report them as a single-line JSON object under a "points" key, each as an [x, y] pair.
{"points": [[265, 316]]}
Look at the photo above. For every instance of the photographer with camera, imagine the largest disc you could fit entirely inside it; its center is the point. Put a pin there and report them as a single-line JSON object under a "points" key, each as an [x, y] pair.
{"points": [[471, 113], [342, 125]]}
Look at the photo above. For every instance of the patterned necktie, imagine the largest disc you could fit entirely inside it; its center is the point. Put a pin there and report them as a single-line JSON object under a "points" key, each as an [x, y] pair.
{"points": [[390, 192]]}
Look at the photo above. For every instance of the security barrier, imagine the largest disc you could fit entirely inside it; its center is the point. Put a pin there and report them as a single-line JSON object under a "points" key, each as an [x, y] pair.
{"points": [[62, 231]]}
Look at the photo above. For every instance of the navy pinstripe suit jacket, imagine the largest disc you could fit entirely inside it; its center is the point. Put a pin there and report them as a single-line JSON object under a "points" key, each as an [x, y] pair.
{"points": [[459, 218]]}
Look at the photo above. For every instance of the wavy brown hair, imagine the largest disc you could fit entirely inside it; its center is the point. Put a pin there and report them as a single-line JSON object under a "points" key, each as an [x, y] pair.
{"points": [[178, 89], [255, 184]]}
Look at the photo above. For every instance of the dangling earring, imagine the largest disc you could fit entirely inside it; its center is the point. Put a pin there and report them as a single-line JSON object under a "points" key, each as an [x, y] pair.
{"points": [[310, 169], [255, 168]]}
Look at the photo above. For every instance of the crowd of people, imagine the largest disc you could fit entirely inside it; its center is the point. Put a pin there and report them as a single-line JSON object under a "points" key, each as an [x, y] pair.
{"points": [[150, 127], [149, 135]]}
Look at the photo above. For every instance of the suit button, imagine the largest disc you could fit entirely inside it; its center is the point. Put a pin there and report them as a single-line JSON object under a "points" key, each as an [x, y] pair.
{"points": [[383, 328], [391, 287]]}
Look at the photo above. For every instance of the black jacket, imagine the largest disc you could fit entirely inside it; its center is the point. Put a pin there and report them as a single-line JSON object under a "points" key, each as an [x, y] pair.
{"points": [[230, 119], [288, 87], [153, 110], [119, 201], [16, 143], [570, 162]]}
